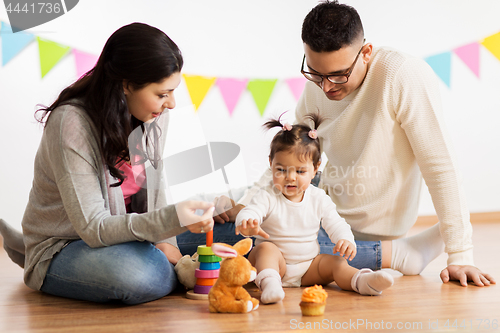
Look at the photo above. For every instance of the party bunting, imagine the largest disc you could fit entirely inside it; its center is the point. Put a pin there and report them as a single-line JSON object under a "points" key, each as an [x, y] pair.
{"points": [[12, 44], [198, 87], [492, 43], [50, 54], [84, 62], [261, 90], [296, 85], [470, 56], [441, 64], [231, 90]]}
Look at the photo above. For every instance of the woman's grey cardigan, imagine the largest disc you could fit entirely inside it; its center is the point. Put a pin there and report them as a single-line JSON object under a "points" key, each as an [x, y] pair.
{"points": [[71, 197]]}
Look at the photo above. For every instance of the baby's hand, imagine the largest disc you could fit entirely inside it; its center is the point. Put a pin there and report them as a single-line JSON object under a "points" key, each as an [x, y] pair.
{"points": [[345, 248], [250, 228]]}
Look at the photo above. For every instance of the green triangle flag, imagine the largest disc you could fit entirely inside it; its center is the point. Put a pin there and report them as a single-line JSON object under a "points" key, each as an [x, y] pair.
{"points": [[261, 90], [50, 54]]}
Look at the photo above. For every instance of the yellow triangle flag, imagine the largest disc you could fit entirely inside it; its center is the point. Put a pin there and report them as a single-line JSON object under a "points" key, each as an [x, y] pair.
{"points": [[50, 54], [198, 87], [492, 43]]}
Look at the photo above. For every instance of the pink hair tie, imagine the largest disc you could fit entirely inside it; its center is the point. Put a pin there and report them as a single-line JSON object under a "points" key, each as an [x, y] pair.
{"points": [[287, 127], [313, 134]]}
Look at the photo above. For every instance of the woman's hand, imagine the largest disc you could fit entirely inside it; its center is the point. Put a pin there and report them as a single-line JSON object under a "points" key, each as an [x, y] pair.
{"points": [[186, 211], [345, 248], [173, 254], [250, 228], [226, 209]]}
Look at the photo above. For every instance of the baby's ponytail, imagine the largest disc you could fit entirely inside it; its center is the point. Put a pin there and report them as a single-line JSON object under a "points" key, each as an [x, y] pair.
{"points": [[300, 138], [272, 123]]}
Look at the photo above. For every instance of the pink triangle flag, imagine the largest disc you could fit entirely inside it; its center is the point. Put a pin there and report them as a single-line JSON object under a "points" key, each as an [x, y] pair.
{"points": [[231, 90], [470, 56], [84, 62], [296, 85]]}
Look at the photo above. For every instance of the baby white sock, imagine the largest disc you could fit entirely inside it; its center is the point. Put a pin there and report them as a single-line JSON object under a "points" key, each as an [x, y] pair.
{"points": [[269, 282], [412, 254], [368, 282], [13, 243]]}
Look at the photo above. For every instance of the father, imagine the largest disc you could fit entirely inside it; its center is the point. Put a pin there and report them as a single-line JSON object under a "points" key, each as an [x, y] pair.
{"points": [[383, 121], [383, 129]]}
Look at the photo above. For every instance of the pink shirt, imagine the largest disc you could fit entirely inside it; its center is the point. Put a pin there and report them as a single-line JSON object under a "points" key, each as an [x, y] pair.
{"points": [[134, 179]]}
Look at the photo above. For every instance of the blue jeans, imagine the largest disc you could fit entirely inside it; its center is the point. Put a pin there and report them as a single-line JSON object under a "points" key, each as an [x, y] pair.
{"points": [[133, 273], [369, 254]]}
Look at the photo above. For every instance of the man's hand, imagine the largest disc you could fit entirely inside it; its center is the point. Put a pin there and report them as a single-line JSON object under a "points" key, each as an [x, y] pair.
{"points": [[346, 249], [226, 209], [466, 273], [250, 228]]}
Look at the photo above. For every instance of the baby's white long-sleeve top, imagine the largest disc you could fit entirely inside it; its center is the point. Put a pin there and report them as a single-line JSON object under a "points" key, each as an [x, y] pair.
{"points": [[293, 226]]}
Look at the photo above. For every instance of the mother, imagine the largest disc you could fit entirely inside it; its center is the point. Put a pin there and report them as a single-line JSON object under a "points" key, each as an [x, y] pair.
{"points": [[95, 208]]}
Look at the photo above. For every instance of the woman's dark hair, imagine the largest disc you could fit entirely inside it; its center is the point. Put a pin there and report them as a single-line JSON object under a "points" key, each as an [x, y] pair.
{"points": [[330, 26], [297, 139], [137, 54]]}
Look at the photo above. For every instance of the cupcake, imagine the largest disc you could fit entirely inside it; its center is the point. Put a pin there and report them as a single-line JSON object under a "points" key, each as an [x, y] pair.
{"points": [[313, 301]]}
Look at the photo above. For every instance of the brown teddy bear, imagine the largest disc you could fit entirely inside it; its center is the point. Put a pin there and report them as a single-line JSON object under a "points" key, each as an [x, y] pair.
{"points": [[228, 295]]}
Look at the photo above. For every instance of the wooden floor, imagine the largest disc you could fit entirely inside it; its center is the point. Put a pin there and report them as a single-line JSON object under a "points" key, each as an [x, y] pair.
{"points": [[418, 303]]}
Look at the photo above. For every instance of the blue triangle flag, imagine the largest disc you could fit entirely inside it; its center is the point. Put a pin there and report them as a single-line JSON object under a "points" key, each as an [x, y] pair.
{"points": [[13, 43], [441, 64]]}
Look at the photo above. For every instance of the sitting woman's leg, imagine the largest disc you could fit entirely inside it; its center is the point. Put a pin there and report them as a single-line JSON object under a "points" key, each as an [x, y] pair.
{"points": [[133, 273]]}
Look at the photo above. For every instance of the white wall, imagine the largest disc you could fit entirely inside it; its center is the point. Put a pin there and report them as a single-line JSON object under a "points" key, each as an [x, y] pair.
{"points": [[260, 39]]}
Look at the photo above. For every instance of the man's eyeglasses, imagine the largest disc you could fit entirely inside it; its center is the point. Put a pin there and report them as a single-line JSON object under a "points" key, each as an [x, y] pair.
{"points": [[333, 78]]}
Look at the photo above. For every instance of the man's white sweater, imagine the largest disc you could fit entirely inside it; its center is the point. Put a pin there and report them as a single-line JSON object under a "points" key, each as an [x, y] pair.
{"points": [[379, 141]]}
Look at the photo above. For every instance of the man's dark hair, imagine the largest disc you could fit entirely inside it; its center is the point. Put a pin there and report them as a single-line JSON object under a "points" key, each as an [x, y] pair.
{"points": [[330, 26]]}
